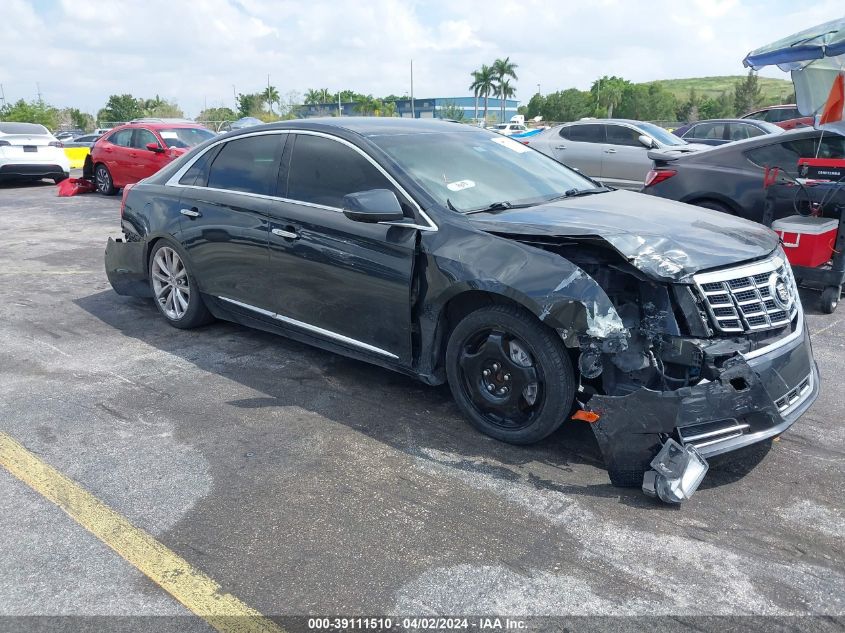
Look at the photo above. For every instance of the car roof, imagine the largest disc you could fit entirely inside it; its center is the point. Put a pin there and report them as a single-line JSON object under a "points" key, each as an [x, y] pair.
{"points": [[158, 124], [366, 126]]}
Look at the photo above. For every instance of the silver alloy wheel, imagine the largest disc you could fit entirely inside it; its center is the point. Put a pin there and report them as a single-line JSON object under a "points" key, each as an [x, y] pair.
{"points": [[103, 179], [170, 283]]}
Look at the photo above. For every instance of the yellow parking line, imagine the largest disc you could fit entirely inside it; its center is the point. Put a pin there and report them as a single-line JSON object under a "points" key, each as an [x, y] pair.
{"points": [[199, 593]]}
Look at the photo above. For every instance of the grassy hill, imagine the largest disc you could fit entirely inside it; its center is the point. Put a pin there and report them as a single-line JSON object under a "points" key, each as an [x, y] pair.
{"points": [[773, 89]]}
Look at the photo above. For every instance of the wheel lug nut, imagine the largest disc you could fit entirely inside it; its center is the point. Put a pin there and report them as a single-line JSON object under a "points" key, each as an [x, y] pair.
{"points": [[490, 387], [507, 377], [485, 373], [495, 366]]}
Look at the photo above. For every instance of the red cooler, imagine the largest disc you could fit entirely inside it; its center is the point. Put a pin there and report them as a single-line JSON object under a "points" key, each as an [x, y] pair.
{"points": [[807, 241]]}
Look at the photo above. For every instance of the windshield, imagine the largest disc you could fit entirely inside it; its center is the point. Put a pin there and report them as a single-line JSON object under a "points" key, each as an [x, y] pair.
{"points": [[473, 169], [185, 136], [662, 136]]}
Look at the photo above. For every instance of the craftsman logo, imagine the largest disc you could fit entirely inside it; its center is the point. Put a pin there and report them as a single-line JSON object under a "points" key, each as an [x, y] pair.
{"points": [[780, 292]]}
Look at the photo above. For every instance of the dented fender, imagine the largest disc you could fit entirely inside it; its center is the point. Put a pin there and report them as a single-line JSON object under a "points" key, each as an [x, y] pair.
{"points": [[555, 289]]}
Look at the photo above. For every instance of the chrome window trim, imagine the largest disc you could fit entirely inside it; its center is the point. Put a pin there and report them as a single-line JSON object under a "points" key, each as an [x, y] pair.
{"points": [[173, 181], [312, 328]]}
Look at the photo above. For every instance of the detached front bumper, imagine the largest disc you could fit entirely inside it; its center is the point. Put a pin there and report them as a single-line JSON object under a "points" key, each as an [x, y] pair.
{"points": [[756, 397], [126, 268]]}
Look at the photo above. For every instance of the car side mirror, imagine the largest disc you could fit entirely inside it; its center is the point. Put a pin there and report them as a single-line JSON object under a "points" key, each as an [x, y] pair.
{"points": [[155, 147], [647, 141], [375, 205]]}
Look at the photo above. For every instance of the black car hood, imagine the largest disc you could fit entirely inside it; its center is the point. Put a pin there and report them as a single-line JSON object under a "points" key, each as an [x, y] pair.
{"points": [[665, 239]]}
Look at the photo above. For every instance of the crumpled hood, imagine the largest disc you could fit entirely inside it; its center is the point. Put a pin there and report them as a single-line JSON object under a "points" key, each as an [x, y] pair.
{"points": [[665, 239]]}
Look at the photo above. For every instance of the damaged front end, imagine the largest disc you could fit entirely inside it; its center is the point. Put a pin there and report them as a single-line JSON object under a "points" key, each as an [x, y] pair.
{"points": [[683, 369]]}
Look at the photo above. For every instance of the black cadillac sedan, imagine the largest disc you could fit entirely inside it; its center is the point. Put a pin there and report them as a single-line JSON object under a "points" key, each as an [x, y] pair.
{"points": [[455, 254]]}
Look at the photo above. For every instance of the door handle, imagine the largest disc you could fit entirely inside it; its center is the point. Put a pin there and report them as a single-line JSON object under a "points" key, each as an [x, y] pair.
{"points": [[560, 146], [610, 151], [191, 213], [287, 234]]}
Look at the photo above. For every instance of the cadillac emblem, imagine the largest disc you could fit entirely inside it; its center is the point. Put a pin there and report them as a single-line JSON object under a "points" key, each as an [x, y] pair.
{"points": [[779, 290]]}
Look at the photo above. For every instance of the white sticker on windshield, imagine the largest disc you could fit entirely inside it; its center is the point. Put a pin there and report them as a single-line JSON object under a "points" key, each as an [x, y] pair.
{"points": [[166, 134], [512, 145], [460, 185]]}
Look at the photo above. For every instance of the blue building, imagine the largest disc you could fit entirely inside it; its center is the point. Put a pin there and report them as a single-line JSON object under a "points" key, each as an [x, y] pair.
{"points": [[425, 108]]}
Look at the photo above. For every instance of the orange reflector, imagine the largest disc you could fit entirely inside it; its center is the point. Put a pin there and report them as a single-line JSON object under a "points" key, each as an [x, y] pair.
{"points": [[586, 416]]}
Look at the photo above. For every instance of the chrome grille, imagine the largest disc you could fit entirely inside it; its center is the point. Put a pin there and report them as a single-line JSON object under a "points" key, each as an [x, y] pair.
{"points": [[749, 298], [795, 396]]}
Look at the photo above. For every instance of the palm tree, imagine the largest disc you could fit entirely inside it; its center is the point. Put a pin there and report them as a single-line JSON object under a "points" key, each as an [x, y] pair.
{"points": [[312, 97], [505, 91], [475, 87], [484, 82], [271, 96], [502, 69]]}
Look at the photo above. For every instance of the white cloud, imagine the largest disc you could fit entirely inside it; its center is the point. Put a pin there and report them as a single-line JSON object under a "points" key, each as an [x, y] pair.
{"points": [[194, 52]]}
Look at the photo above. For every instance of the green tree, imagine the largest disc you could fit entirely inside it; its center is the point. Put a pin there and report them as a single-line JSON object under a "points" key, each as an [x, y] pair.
{"points": [[451, 111], [270, 96], [249, 105], [161, 108], [567, 105], [483, 84], [81, 120], [607, 92], [535, 106], [217, 114], [747, 94], [722, 107], [689, 110], [31, 112], [123, 107], [505, 91], [502, 70], [646, 102]]}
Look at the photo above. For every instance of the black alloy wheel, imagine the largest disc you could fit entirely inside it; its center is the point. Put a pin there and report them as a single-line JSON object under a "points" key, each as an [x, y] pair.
{"points": [[510, 374]]}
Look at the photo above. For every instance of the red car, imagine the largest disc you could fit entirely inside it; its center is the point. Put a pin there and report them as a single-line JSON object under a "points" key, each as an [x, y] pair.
{"points": [[130, 152], [786, 116]]}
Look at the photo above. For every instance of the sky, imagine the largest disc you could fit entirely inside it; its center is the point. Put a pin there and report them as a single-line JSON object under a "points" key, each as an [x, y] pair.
{"points": [[200, 52]]}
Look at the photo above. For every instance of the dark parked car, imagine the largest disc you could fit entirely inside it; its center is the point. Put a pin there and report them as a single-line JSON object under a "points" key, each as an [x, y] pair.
{"points": [[721, 131], [86, 140], [730, 178], [451, 253], [786, 116]]}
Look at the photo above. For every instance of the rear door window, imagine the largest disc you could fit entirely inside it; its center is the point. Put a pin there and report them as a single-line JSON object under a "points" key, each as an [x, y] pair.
{"points": [[250, 165], [322, 171], [587, 133]]}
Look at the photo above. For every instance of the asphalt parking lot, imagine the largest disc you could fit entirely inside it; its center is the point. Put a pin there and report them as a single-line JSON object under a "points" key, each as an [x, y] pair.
{"points": [[305, 483]]}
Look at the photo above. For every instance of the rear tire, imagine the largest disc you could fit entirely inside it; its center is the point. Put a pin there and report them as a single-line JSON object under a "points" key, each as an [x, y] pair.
{"points": [[175, 290], [714, 206], [830, 299], [509, 374], [103, 180]]}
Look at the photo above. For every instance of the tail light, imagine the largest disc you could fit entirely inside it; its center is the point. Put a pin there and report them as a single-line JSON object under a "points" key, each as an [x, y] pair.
{"points": [[656, 176], [123, 198], [56, 144], [4, 143]]}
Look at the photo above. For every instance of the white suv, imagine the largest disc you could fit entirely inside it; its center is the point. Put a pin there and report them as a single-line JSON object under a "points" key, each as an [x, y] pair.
{"points": [[29, 151]]}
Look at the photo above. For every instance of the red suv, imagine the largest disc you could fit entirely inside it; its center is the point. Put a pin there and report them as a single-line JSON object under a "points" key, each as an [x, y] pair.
{"points": [[785, 116], [130, 152]]}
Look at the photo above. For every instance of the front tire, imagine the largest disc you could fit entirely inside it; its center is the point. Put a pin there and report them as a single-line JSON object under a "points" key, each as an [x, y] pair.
{"points": [[175, 290], [509, 374], [103, 180]]}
